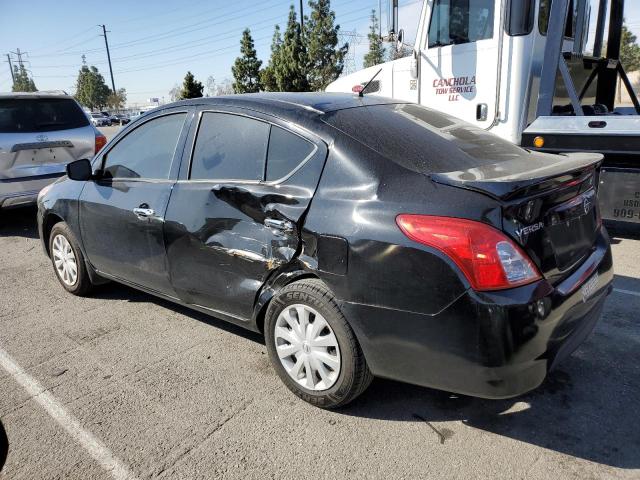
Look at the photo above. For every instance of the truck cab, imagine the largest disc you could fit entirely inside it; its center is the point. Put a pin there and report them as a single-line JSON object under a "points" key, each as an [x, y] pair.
{"points": [[518, 68]]}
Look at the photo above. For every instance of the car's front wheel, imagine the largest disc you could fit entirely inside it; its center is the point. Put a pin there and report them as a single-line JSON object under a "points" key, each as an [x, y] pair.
{"points": [[313, 348], [68, 261]]}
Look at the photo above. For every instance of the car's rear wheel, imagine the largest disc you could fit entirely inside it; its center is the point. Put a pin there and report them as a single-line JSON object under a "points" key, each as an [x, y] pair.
{"points": [[313, 348], [68, 261]]}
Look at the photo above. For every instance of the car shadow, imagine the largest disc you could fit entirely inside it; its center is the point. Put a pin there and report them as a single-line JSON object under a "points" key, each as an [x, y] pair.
{"points": [[19, 222], [587, 408], [4, 446], [116, 291], [619, 231]]}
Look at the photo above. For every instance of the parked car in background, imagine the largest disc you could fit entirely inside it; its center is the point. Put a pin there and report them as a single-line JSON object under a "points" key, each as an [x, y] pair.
{"points": [[120, 119], [40, 133], [134, 116], [99, 120], [362, 236]]}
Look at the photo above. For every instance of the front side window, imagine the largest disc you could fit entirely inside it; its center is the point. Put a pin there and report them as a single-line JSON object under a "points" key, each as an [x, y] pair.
{"points": [[229, 147], [455, 22], [147, 151]]}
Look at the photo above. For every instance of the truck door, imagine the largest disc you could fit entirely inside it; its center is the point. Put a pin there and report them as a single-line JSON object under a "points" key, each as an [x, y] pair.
{"points": [[459, 59]]}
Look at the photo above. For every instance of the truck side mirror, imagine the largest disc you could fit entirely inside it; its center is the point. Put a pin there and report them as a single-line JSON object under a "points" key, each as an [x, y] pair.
{"points": [[80, 170], [399, 41]]}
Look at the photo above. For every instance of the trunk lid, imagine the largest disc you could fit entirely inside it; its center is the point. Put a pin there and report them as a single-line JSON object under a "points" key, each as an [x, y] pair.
{"points": [[549, 205]]}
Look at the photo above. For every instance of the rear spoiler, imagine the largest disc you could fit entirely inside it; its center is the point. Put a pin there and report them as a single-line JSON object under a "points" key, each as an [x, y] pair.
{"points": [[538, 172]]}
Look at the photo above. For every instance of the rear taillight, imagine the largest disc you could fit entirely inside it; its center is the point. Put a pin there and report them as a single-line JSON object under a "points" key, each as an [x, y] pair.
{"points": [[101, 140], [486, 256]]}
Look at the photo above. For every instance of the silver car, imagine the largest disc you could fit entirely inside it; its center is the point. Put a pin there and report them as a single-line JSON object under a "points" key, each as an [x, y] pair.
{"points": [[98, 119], [39, 134]]}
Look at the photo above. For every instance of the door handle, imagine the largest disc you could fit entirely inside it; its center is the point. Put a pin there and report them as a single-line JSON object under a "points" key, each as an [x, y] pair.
{"points": [[143, 213], [282, 225]]}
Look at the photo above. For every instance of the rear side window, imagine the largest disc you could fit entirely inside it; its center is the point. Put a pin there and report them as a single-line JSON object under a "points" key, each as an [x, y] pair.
{"points": [[286, 151], [147, 151], [229, 147], [26, 115], [545, 10], [454, 22], [423, 140]]}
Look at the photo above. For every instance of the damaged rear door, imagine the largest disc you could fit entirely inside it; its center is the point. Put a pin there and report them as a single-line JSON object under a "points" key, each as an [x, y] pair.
{"points": [[235, 215]]}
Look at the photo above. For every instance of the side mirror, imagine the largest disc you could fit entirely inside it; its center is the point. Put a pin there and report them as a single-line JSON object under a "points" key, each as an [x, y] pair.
{"points": [[80, 170], [400, 41]]}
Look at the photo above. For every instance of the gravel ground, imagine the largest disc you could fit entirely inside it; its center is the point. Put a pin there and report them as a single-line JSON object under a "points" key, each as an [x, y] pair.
{"points": [[123, 385]]}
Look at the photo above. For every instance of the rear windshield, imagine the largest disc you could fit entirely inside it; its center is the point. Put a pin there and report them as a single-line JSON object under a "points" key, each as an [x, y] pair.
{"points": [[423, 140], [24, 115]]}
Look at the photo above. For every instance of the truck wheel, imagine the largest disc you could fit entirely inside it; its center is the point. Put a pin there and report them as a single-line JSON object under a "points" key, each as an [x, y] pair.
{"points": [[313, 348], [68, 261]]}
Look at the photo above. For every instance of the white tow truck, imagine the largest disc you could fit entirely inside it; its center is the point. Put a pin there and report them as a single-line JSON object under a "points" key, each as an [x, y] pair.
{"points": [[518, 68]]}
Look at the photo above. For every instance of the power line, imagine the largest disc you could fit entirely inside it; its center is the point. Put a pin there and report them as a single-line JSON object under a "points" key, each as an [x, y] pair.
{"points": [[203, 24], [202, 41]]}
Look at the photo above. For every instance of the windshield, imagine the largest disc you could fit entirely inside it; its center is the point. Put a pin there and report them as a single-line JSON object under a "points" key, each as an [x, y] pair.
{"points": [[423, 140], [22, 115]]}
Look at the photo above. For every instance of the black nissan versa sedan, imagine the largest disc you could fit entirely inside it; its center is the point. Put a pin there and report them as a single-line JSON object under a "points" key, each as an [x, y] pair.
{"points": [[363, 236]]}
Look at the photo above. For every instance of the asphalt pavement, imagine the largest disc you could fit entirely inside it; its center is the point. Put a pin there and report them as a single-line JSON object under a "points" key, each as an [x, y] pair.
{"points": [[123, 385]]}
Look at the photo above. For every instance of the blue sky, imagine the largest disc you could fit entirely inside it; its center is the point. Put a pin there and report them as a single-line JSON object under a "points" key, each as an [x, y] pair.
{"points": [[153, 44]]}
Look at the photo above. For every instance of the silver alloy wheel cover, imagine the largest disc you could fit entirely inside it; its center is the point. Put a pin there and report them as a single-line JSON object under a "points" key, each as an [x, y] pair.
{"points": [[307, 347], [64, 260]]}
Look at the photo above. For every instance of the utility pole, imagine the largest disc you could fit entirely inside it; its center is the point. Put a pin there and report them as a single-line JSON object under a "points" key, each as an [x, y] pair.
{"points": [[19, 54], [13, 76], [380, 18], [301, 17], [106, 43]]}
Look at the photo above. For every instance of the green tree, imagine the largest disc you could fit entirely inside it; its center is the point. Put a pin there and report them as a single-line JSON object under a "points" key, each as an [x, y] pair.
{"points": [[629, 51], [117, 100], [22, 82], [325, 59], [376, 53], [268, 74], [191, 88], [291, 70], [91, 89], [246, 69]]}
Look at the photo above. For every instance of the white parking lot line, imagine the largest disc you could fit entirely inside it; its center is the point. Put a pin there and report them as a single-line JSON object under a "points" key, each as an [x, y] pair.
{"points": [[627, 292], [96, 448]]}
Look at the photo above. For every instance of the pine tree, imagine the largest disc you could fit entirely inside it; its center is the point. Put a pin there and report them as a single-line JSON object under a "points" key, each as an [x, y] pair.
{"points": [[91, 89], [291, 70], [325, 61], [191, 88], [22, 82], [246, 69], [376, 53], [629, 51], [117, 100], [268, 75]]}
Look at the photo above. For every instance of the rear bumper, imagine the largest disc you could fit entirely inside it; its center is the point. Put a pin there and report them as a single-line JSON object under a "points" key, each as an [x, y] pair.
{"points": [[490, 345], [16, 192]]}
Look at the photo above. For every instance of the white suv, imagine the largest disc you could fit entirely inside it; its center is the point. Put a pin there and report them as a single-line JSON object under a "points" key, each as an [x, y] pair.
{"points": [[39, 134]]}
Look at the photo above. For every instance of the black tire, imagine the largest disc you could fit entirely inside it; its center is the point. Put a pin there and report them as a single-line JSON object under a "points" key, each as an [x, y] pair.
{"points": [[354, 376], [82, 286]]}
